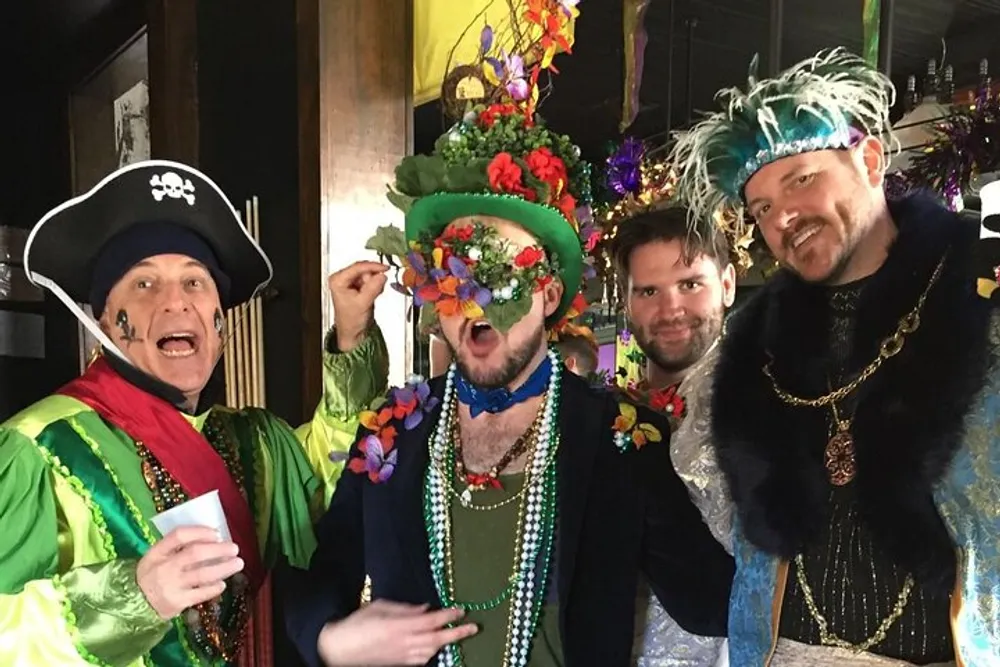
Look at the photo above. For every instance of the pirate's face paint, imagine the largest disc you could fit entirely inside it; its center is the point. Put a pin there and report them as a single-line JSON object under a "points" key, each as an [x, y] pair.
{"points": [[126, 328], [166, 311]]}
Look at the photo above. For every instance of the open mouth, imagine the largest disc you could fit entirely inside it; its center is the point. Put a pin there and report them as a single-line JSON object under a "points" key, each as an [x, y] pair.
{"points": [[482, 338], [179, 344]]}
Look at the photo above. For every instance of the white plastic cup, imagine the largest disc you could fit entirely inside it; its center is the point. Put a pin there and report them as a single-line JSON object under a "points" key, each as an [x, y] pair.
{"points": [[205, 510]]}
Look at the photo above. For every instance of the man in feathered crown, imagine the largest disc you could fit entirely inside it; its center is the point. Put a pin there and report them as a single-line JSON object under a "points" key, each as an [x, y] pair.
{"points": [[87, 574], [856, 395], [503, 511]]}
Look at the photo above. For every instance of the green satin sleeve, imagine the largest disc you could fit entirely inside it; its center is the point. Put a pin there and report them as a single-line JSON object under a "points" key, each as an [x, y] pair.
{"points": [[351, 382], [52, 613], [113, 619], [292, 487]]}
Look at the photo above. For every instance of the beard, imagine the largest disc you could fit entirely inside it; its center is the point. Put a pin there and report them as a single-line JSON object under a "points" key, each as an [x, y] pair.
{"points": [[674, 359], [852, 218], [513, 365]]}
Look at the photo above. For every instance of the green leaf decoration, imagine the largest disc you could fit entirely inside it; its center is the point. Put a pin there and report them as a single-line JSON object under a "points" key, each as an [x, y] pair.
{"points": [[389, 241], [505, 315], [419, 175], [469, 177], [540, 187], [427, 320], [403, 202]]}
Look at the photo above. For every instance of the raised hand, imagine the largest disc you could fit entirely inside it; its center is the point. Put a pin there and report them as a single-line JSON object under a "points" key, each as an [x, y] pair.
{"points": [[354, 290]]}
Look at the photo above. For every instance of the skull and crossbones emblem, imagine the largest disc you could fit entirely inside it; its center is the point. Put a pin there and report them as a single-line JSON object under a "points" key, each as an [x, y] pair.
{"points": [[173, 186]]}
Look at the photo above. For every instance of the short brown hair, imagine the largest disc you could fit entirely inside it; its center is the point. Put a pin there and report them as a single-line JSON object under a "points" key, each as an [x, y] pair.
{"points": [[666, 224], [583, 347]]}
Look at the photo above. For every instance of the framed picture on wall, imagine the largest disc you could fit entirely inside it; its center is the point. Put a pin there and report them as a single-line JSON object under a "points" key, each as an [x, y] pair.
{"points": [[109, 129]]}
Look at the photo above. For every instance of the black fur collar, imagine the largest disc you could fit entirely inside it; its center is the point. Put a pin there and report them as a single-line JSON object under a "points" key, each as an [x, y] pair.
{"points": [[909, 419]]}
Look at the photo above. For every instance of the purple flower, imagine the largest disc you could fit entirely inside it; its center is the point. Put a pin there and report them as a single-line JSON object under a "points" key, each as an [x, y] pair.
{"points": [[379, 466], [517, 86], [624, 173], [485, 39], [420, 393]]}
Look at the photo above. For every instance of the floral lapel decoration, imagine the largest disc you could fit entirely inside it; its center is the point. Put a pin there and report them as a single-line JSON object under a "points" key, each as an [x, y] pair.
{"points": [[668, 401], [629, 433], [407, 407]]}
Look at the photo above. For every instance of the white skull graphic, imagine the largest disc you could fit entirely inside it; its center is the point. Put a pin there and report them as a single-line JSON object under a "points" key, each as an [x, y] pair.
{"points": [[173, 186]]}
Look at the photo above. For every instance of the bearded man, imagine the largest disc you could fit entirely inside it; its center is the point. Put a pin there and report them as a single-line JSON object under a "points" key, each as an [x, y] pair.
{"points": [[503, 511], [855, 397], [86, 577], [677, 288]]}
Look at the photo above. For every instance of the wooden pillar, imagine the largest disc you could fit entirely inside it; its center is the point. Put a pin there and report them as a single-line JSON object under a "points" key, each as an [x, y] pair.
{"points": [[354, 128], [173, 80]]}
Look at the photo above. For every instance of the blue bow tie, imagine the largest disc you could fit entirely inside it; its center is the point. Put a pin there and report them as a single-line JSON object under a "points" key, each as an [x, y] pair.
{"points": [[497, 400]]}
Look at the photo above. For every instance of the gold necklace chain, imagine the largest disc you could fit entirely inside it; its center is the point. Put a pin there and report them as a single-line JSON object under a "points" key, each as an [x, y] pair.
{"points": [[889, 348], [828, 638]]}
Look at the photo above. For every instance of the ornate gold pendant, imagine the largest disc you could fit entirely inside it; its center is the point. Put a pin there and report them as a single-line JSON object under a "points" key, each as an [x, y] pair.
{"points": [[839, 457]]}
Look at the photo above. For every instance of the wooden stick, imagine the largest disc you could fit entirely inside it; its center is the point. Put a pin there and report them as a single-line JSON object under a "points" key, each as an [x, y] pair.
{"points": [[254, 313]]}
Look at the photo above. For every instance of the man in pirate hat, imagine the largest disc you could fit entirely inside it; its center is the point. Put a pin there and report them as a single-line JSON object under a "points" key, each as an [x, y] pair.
{"points": [[86, 577], [503, 511], [856, 396]]}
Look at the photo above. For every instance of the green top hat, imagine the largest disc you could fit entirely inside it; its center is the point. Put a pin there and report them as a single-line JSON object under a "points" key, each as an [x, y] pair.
{"points": [[498, 160]]}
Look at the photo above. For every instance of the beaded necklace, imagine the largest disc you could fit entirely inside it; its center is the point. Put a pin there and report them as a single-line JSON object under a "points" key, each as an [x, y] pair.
{"points": [[217, 626], [535, 532]]}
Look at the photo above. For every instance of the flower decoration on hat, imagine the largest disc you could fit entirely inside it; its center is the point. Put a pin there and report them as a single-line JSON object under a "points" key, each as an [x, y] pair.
{"points": [[828, 101], [500, 160]]}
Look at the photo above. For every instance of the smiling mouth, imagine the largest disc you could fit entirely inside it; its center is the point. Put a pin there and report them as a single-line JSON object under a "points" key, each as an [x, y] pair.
{"points": [[180, 344], [800, 237]]}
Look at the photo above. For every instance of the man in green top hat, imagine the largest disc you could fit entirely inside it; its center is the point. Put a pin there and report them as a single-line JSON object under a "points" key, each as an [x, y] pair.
{"points": [[856, 396], [503, 511], [87, 576]]}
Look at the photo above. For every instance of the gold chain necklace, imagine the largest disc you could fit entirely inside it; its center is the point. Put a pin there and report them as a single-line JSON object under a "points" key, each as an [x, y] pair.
{"points": [[828, 638], [889, 348], [838, 456], [840, 463]]}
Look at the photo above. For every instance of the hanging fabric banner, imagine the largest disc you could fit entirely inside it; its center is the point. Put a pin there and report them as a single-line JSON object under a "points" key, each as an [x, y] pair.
{"points": [[446, 33], [634, 25], [871, 13]]}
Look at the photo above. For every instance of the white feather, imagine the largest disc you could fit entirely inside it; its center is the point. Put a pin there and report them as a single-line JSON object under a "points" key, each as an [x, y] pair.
{"points": [[845, 89]]}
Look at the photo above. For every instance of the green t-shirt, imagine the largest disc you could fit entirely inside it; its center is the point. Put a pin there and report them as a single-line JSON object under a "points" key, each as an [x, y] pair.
{"points": [[483, 544]]}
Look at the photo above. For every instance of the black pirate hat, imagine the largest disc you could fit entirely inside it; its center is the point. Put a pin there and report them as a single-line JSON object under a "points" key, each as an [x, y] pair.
{"points": [[64, 246]]}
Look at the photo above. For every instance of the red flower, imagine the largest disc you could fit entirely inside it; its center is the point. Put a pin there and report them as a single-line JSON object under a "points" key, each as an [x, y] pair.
{"points": [[528, 257], [462, 233], [548, 168], [492, 113], [505, 176], [667, 400], [567, 206]]}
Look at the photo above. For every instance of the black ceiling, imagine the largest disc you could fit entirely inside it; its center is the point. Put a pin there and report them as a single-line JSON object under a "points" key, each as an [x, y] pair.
{"points": [[587, 98]]}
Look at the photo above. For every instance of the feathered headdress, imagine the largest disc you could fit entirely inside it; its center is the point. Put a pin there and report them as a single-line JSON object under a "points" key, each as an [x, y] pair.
{"points": [[827, 101]]}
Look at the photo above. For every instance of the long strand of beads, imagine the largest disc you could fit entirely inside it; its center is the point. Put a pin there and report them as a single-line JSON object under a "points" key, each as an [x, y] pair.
{"points": [[536, 530]]}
